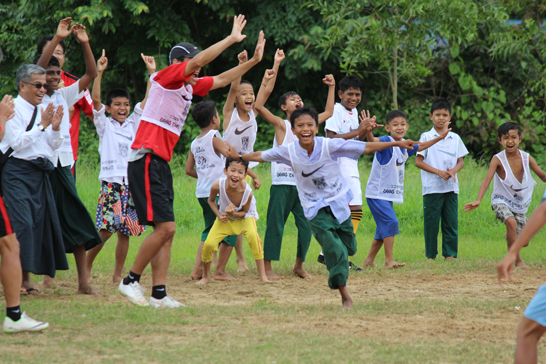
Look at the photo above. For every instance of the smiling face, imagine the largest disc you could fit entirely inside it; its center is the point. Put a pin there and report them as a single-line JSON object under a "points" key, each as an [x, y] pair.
{"points": [[350, 98], [439, 118], [119, 109], [305, 128], [53, 78], [510, 142], [30, 93], [293, 102], [397, 128], [245, 97], [235, 172]]}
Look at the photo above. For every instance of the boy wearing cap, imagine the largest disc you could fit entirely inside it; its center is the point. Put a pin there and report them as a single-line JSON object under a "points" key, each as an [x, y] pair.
{"points": [[162, 121]]}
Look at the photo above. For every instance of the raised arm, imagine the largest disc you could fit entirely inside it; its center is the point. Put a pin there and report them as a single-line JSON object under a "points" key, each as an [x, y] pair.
{"points": [[370, 126], [495, 163], [363, 127], [149, 61], [430, 143], [102, 63], [229, 106], [372, 147], [7, 111], [330, 101], [63, 30], [534, 166], [90, 67], [190, 166], [263, 94]]}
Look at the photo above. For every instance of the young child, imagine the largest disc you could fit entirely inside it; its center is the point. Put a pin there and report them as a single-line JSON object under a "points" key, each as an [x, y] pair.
{"points": [[240, 129], [323, 191], [513, 184], [235, 216], [206, 163], [533, 324], [386, 183], [440, 165], [283, 195], [78, 230], [344, 124], [162, 121], [115, 208]]}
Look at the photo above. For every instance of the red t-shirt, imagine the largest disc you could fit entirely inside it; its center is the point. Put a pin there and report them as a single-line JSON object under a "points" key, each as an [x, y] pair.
{"points": [[85, 104], [154, 137]]}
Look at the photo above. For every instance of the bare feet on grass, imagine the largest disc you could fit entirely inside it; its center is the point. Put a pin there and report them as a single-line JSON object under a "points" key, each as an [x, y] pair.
{"points": [[368, 264], [272, 276], [394, 265], [431, 260], [225, 276], [451, 258], [521, 265], [196, 274], [88, 289], [346, 300], [302, 273], [241, 265], [203, 280]]}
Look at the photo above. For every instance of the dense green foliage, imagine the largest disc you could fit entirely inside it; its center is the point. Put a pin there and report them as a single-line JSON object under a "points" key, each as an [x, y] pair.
{"points": [[408, 52]]}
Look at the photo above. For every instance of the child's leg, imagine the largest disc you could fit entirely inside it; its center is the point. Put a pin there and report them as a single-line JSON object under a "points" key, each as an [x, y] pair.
{"points": [[241, 261], [218, 232], [514, 225], [304, 237], [197, 272], [83, 274], [277, 214], [93, 252], [220, 273], [389, 247], [432, 208], [250, 230], [531, 328], [122, 247], [374, 249], [450, 224], [10, 269]]}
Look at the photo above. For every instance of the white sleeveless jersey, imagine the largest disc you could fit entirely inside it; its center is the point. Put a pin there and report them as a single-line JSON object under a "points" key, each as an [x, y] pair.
{"points": [[224, 200], [208, 164], [344, 121], [242, 134], [320, 181], [514, 194], [281, 174], [386, 182]]}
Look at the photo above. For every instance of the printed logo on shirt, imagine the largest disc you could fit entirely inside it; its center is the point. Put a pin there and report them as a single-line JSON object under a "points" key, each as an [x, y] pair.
{"points": [[239, 132], [123, 149], [398, 163], [125, 136], [518, 190], [305, 175], [245, 141]]}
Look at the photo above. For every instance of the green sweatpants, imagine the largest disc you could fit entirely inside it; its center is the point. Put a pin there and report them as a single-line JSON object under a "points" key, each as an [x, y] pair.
{"points": [[210, 217], [444, 207], [284, 199], [338, 242]]}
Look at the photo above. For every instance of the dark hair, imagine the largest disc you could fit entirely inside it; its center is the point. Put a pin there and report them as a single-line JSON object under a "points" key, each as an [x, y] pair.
{"points": [[245, 82], [52, 62], [282, 99], [230, 160], [45, 40], [203, 113], [396, 114], [506, 127], [440, 104], [350, 81], [303, 111], [116, 92]]}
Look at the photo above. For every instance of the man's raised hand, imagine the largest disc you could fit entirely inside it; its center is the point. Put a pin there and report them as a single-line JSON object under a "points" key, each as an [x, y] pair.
{"points": [[64, 29], [149, 61], [239, 23], [329, 80], [102, 62], [79, 32], [57, 118]]}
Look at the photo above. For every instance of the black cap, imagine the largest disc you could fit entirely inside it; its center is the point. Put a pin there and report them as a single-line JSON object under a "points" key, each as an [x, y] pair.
{"points": [[183, 50]]}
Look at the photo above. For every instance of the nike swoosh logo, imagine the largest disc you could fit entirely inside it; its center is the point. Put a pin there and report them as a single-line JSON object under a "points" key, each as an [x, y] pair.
{"points": [[521, 189], [239, 132], [308, 174], [398, 164], [161, 289], [126, 137], [448, 153]]}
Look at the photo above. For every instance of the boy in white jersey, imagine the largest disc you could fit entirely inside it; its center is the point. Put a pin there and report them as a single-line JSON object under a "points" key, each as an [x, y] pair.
{"points": [[240, 130], [386, 183], [323, 191], [78, 230], [344, 124], [440, 165], [235, 215], [115, 209], [206, 163], [513, 184], [283, 195]]}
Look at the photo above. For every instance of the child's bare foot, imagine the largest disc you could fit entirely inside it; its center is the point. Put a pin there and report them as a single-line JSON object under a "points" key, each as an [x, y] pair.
{"points": [[302, 273], [225, 276], [116, 279], [196, 274], [48, 282], [265, 279], [431, 259], [272, 276], [241, 266], [346, 299], [203, 281], [368, 264], [88, 289], [394, 265], [521, 265], [451, 258]]}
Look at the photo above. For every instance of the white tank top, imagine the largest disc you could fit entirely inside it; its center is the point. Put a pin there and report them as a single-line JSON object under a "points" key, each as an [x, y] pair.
{"points": [[386, 182], [320, 181], [281, 174], [208, 164], [242, 134], [224, 201], [514, 194], [115, 148]]}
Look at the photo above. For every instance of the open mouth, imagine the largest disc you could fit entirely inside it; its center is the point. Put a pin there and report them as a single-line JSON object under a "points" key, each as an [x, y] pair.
{"points": [[234, 180], [248, 104], [298, 105], [306, 136]]}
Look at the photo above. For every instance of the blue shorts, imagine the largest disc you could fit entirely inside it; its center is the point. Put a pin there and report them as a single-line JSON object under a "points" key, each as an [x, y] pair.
{"points": [[536, 310], [385, 218]]}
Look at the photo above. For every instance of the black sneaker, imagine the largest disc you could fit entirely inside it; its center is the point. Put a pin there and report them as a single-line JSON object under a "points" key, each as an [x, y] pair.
{"points": [[320, 259], [354, 267]]}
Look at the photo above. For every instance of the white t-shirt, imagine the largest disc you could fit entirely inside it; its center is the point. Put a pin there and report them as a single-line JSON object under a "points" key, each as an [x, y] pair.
{"points": [[441, 155], [224, 201], [281, 174], [344, 121], [208, 165], [242, 134]]}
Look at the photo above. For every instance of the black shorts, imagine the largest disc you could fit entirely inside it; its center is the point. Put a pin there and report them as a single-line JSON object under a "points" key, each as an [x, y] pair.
{"points": [[151, 184], [5, 225]]}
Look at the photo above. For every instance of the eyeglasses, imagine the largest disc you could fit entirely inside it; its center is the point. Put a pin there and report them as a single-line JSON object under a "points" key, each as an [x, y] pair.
{"points": [[58, 53], [38, 86]]}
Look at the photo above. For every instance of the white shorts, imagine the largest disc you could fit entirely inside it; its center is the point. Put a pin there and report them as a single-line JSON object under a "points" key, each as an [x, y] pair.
{"points": [[354, 185]]}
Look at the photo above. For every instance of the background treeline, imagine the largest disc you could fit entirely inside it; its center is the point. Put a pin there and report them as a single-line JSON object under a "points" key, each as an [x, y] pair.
{"points": [[487, 57]]}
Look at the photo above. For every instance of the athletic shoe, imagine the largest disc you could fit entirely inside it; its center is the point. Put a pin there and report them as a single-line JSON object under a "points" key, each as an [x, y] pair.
{"points": [[165, 302], [354, 267], [320, 259], [134, 292], [25, 323]]}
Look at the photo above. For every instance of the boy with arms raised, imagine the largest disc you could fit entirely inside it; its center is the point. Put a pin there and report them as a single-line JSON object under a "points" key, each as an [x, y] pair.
{"points": [[115, 208], [236, 215], [79, 233], [206, 162], [323, 191], [440, 164], [386, 182], [162, 121], [283, 195], [513, 184]]}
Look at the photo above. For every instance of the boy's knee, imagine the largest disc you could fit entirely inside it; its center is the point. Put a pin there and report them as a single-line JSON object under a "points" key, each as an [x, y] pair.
{"points": [[166, 229], [208, 250], [9, 247], [530, 329], [511, 223]]}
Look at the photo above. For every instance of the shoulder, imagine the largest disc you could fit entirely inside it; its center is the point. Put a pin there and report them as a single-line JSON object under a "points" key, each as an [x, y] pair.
{"points": [[203, 86], [384, 138], [68, 78], [172, 77]]}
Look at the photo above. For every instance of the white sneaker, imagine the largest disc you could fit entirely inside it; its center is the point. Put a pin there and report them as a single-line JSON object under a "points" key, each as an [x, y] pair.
{"points": [[25, 323], [165, 302], [134, 293]]}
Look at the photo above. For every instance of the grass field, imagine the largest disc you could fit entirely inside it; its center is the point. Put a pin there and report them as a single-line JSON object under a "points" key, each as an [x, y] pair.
{"points": [[441, 312]]}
